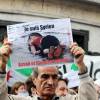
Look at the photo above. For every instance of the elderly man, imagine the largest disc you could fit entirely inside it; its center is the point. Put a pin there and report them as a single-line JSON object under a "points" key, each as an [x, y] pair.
{"points": [[46, 79]]}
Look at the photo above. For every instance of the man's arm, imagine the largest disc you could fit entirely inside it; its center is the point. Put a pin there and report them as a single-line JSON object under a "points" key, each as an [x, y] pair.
{"points": [[86, 89], [4, 55], [5, 52]]}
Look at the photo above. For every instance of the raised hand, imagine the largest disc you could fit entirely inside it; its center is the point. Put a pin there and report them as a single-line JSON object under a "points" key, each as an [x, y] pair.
{"points": [[78, 52], [5, 52]]}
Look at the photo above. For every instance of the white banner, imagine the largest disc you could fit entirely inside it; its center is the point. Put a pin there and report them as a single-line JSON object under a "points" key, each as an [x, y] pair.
{"points": [[93, 64]]}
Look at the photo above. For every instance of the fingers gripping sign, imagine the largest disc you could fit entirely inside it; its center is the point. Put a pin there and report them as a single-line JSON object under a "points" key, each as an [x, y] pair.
{"points": [[5, 52], [78, 52]]}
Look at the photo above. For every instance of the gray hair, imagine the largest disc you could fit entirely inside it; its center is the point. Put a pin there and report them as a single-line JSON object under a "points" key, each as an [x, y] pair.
{"points": [[35, 71]]}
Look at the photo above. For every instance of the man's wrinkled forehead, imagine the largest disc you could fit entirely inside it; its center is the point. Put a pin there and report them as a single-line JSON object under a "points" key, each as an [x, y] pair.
{"points": [[48, 70]]}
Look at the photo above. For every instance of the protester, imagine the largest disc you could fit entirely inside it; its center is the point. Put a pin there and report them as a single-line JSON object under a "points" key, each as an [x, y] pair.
{"points": [[19, 88], [31, 88], [97, 86], [46, 79], [62, 88]]}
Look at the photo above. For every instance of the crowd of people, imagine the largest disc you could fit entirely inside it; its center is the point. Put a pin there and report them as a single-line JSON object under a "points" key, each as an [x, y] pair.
{"points": [[28, 88], [45, 84]]}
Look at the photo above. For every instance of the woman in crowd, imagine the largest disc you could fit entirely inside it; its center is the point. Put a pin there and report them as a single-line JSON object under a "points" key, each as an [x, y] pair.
{"points": [[19, 88]]}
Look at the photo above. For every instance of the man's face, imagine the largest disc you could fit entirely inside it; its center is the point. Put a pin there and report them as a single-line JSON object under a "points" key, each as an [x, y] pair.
{"points": [[21, 88], [46, 81], [62, 88]]}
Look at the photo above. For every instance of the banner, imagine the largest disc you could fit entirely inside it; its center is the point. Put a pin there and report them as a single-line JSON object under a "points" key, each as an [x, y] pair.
{"points": [[93, 64]]}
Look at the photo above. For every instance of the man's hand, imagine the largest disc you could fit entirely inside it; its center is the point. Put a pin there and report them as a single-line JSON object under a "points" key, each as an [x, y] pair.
{"points": [[78, 52], [5, 52]]}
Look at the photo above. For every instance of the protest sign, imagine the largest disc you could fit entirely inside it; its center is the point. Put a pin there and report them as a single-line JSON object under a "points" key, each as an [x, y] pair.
{"points": [[40, 43]]}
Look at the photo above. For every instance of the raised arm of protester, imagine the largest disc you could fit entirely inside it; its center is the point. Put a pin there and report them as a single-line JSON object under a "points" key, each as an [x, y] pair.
{"points": [[5, 51], [86, 88]]}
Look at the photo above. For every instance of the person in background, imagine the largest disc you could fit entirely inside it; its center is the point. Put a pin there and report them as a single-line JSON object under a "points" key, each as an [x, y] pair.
{"points": [[31, 88], [62, 88], [97, 86], [19, 88], [2, 36], [46, 79]]}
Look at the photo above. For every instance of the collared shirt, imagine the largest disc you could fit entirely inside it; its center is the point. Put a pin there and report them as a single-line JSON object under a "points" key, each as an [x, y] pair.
{"points": [[54, 98]]}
